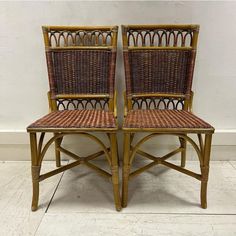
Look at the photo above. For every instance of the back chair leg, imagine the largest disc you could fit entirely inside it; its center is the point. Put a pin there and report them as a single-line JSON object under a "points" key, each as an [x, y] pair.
{"points": [[35, 168], [183, 145], [57, 152], [126, 169], [115, 171], [118, 156], [205, 170]]}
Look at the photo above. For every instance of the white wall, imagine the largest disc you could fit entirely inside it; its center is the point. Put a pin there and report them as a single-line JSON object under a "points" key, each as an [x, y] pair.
{"points": [[23, 75]]}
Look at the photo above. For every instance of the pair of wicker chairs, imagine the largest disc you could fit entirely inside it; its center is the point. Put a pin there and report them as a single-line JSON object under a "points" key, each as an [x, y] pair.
{"points": [[159, 63]]}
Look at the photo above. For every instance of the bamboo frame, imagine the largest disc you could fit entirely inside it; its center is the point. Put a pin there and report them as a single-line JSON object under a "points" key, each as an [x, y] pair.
{"points": [[163, 26], [202, 149], [75, 28], [39, 149], [158, 48], [79, 48]]}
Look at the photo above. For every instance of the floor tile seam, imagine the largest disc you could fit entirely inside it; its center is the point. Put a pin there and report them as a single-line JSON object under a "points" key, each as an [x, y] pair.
{"points": [[54, 192], [140, 213], [39, 224], [232, 165]]}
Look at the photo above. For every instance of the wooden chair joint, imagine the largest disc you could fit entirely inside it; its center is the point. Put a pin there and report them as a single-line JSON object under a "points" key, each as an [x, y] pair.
{"points": [[205, 173], [35, 172]]}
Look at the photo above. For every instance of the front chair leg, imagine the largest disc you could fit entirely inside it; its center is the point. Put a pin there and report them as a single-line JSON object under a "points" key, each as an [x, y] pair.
{"points": [[126, 169], [35, 181], [115, 171], [35, 168], [205, 170]]}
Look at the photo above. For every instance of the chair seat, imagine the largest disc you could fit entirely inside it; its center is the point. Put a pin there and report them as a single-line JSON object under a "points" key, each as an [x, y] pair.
{"points": [[164, 119], [75, 119]]}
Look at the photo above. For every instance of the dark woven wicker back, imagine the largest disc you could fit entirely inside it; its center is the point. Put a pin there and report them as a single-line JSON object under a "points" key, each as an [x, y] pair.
{"points": [[79, 71], [81, 60], [159, 59]]}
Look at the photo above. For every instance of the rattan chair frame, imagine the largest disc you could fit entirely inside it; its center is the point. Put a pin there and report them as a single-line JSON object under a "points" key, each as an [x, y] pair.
{"points": [[39, 149], [203, 148]]}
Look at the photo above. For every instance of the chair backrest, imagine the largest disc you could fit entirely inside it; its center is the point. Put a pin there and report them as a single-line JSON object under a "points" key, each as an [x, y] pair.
{"points": [[81, 66], [159, 63]]}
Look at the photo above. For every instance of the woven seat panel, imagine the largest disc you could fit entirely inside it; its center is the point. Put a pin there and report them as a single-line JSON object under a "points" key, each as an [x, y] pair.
{"points": [[76, 119], [80, 71], [163, 119], [159, 71]]}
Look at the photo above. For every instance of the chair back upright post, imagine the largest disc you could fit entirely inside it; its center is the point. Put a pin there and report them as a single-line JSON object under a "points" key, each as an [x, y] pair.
{"points": [[159, 64], [81, 66]]}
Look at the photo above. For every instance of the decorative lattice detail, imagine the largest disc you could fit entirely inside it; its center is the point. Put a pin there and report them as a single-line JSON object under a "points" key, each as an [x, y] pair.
{"points": [[80, 104], [160, 37], [158, 103], [65, 38]]}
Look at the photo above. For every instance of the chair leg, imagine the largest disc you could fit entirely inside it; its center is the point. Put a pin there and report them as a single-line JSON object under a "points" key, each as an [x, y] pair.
{"points": [[118, 156], [35, 168], [183, 145], [35, 180], [57, 152], [205, 170], [115, 171], [126, 169]]}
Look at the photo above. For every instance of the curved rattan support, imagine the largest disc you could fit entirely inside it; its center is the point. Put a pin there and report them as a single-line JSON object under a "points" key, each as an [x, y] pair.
{"points": [[57, 151], [200, 142], [146, 138], [57, 136], [40, 145], [183, 145]]}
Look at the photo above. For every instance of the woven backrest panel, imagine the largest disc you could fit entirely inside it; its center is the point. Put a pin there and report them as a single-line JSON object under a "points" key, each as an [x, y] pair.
{"points": [[81, 60], [159, 59], [160, 71], [79, 71]]}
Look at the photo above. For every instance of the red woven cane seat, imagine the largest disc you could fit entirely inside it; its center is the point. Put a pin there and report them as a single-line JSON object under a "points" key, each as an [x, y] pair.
{"points": [[75, 119], [163, 119]]}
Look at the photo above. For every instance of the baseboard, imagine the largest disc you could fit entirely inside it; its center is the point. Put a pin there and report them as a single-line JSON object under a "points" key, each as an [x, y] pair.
{"points": [[14, 145]]}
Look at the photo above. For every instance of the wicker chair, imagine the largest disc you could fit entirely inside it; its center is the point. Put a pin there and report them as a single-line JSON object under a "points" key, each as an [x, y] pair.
{"points": [[81, 69], [159, 63]]}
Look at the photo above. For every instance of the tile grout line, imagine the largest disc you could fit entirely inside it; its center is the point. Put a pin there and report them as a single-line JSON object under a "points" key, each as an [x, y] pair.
{"points": [[39, 224], [232, 165], [55, 191], [147, 213], [49, 203]]}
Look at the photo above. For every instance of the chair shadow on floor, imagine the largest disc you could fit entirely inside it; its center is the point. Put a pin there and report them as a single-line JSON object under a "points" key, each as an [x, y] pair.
{"points": [[81, 187], [158, 195], [97, 192]]}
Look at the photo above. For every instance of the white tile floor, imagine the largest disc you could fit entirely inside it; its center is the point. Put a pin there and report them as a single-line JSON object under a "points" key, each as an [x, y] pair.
{"points": [[79, 202]]}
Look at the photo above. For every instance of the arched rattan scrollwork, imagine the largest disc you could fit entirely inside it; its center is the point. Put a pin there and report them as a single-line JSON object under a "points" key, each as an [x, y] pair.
{"points": [[85, 103], [65, 38], [42, 151], [160, 37], [158, 103]]}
